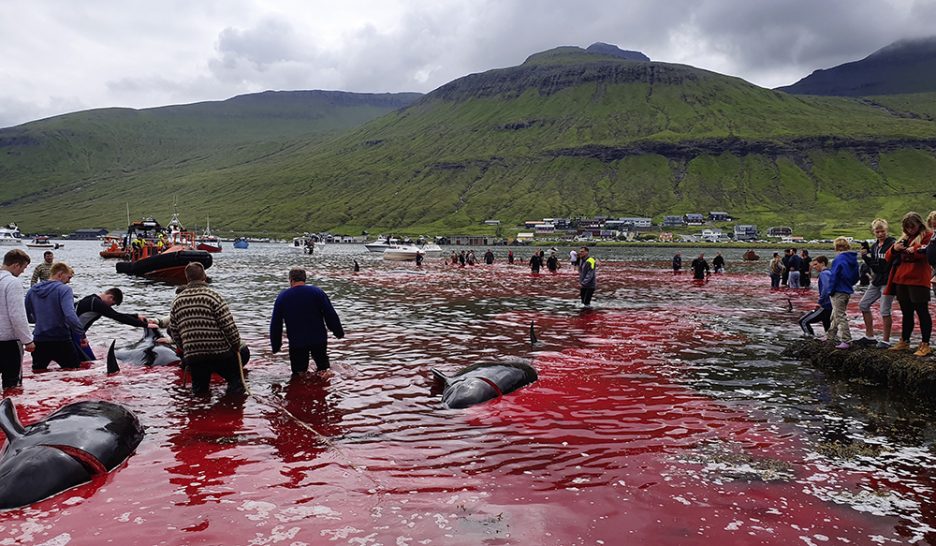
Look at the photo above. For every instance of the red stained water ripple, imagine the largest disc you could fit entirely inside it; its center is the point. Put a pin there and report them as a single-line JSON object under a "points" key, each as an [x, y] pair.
{"points": [[610, 446]]}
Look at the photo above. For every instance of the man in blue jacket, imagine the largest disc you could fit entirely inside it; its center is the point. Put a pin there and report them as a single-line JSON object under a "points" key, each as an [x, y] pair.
{"points": [[51, 305], [307, 312]]}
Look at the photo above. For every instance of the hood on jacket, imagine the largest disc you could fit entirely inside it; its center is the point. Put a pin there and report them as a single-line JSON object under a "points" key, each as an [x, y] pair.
{"points": [[46, 288]]}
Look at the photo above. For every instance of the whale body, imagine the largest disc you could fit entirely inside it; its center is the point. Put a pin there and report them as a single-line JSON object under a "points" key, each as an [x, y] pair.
{"points": [[67, 448], [147, 352], [484, 381]]}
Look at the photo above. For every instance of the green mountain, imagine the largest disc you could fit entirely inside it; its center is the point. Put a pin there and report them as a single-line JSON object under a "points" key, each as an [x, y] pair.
{"points": [[567, 133], [77, 159], [907, 66]]}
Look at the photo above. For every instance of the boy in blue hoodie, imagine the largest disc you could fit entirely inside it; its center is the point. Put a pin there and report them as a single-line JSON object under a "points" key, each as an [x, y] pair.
{"points": [[51, 306], [822, 313], [844, 275]]}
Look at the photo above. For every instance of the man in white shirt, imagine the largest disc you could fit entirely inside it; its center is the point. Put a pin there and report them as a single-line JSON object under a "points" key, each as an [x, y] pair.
{"points": [[15, 333]]}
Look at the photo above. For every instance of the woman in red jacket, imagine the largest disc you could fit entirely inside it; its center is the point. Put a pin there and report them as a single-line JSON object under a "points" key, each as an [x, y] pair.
{"points": [[910, 281]]}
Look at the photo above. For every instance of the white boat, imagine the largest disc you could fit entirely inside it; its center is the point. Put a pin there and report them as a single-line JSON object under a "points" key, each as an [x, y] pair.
{"points": [[10, 235], [382, 243], [43, 242], [407, 253]]}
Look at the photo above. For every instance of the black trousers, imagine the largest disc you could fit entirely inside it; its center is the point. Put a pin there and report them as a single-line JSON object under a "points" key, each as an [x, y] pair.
{"points": [[224, 365], [921, 309], [62, 352], [11, 364], [819, 314], [586, 294], [299, 357]]}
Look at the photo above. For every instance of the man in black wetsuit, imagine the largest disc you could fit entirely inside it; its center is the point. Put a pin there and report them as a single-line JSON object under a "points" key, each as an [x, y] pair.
{"points": [[719, 263], [700, 268], [677, 263], [90, 308]]}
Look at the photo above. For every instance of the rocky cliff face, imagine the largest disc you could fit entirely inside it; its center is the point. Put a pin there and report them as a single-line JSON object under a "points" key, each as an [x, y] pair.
{"points": [[601, 48], [907, 66], [550, 79]]}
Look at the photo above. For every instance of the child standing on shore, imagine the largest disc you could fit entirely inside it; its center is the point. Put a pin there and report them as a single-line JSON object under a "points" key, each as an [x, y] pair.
{"points": [[843, 278]]}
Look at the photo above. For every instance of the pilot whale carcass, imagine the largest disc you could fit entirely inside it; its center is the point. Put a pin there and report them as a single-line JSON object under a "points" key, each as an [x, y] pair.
{"points": [[484, 381], [67, 448], [148, 352]]}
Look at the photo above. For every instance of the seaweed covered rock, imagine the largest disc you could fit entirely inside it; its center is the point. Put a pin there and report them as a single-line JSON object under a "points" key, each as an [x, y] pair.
{"points": [[897, 370]]}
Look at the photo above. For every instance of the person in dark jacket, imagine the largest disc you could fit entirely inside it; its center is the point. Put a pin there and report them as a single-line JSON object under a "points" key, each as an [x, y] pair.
{"points": [[874, 258], [588, 280], [51, 306], [785, 275], [552, 263], [90, 308], [307, 312], [805, 268], [718, 263], [700, 268], [823, 312], [842, 281], [677, 263], [489, 257], [535, 263]]}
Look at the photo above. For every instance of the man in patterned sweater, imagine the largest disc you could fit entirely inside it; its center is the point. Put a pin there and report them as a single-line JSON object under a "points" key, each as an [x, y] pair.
{"points": [[201, 324]]}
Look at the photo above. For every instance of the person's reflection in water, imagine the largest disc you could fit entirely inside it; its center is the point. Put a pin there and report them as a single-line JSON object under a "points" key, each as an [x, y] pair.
{"points": [[206, 448], [304, 424]]}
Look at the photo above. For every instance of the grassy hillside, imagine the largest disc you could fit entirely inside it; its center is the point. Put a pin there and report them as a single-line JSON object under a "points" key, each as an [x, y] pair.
{"points": [[568, 133], [106, 153]]}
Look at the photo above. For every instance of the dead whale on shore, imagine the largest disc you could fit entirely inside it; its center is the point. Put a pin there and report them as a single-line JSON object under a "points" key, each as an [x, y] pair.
{"points": [[145, 352], [148, 352], [484, 381], [68, 448]]}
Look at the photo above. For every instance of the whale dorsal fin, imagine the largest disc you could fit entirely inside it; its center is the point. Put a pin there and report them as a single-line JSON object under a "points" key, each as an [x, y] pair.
{"points": [[439, 375], [8, 420], [112, 366], [533, 340]]}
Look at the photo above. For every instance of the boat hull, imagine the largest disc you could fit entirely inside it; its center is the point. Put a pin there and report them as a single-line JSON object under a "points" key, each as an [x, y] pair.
{"points": [[408, 254], [209, 247], [166, 267]]}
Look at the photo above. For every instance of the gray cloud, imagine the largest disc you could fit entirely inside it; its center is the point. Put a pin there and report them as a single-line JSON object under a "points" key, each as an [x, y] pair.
{"points": [[136, 53]]}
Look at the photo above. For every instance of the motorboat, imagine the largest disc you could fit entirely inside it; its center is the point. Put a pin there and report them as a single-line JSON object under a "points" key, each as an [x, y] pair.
{"points": [[10, 235], [43, 241], [407, 253], [207, 241], [114, 247], [150, 258], [241, 243], [382, 243]]}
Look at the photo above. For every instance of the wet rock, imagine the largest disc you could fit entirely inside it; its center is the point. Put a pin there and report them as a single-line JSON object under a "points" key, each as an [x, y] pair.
{"points": [[895, 370]]}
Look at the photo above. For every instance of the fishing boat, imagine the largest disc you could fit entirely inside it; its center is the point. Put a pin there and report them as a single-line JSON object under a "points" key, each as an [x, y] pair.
{"points": [[43, 241], [207, 241], [241, 243], [407, 253], [10, 235], [149, 257]]}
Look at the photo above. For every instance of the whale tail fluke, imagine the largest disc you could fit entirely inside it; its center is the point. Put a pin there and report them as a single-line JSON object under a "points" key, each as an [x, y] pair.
{"points": [[9, 422], [439, 376], [789, 304], [112, 366]]}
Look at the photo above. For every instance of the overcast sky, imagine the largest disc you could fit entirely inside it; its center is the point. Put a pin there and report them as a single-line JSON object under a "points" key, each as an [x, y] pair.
{"points": [[60, 56]]}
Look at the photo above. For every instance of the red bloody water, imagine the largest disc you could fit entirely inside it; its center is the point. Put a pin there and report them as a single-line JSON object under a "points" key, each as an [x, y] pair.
{"points": [[612, 445]]}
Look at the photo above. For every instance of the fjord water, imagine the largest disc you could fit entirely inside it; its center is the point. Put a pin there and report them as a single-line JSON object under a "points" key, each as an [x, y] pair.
{"points": [[664, 415]]}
